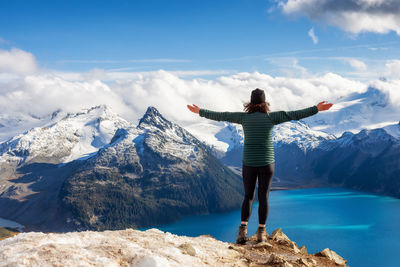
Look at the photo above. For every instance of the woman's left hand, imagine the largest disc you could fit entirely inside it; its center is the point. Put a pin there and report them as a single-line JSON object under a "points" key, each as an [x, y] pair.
{"points": [[194, 108], [324, 106]]}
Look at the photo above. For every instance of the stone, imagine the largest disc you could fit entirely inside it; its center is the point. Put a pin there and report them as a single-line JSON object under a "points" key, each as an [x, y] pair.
{"points": [[278, 260], [278, 235], [303, 250], [293, 246], [210, 236], [188, 249], [239, 249], [313, 262], [284, 242], [263, 245], [304, 262], [330, 254]]}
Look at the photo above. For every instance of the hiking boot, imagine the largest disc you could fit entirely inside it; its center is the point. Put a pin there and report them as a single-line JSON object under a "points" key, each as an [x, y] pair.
{"points": [[261, 234], [242, 236]]}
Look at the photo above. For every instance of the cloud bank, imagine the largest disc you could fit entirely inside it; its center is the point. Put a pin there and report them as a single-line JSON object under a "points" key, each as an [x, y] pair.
{"points": [[42, 92], [355, 16]]}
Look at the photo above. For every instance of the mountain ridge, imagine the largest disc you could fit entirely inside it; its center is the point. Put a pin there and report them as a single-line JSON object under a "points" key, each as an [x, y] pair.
{"points": [[142, 176]]}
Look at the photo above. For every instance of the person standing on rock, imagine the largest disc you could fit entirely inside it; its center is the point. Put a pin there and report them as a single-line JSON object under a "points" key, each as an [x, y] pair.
{"points": [[258, 153]]}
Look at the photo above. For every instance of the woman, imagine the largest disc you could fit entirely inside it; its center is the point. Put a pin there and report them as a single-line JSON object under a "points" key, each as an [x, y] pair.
{"points": [[258, 153]]}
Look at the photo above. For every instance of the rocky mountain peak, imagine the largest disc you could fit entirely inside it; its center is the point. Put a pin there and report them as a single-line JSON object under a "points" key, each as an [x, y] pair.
{"points": [[55, 114], [153, 118], [100, 111]]}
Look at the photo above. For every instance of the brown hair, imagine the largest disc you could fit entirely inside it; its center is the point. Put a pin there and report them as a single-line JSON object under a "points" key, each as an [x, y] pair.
{"points": [[251, 108]]}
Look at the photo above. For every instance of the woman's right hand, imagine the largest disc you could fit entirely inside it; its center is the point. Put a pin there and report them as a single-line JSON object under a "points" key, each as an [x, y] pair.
{"points": [[321, 106], [194, 108]]}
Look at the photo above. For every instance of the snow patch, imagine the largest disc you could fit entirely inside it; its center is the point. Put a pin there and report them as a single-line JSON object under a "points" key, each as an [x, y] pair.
{"points": [[75, 136], [393, 130]]}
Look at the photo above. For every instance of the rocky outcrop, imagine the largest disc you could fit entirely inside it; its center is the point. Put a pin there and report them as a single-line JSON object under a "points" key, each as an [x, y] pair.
{"points": [[155, 248], [280, 251], [332, 256]]}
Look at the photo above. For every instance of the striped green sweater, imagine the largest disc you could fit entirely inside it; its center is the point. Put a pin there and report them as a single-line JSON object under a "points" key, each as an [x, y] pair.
{"points": [[258, 148]]}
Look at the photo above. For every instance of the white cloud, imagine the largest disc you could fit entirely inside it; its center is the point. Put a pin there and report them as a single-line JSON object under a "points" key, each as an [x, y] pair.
{"points": [[393, 69], [129, 93], [41, 94], [355, 16], [312, 35], [357, 64], [17, 61], [391, 88]]}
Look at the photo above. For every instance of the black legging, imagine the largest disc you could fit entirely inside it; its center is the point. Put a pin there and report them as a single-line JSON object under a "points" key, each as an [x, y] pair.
{"points": [[250, 174]]}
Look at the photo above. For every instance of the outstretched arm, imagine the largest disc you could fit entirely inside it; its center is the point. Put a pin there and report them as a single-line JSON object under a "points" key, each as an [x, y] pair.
{"points": [[284, 116], [234, 117]]}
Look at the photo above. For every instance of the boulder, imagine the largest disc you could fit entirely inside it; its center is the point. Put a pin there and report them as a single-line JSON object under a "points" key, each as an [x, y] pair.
{"points": [[278, 260], [278, 235], [294, 246], [303, 250], [330, 254], [263, 245], [303, 262]]}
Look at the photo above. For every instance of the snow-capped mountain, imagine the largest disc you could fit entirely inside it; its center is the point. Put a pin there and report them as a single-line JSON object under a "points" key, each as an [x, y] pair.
{"points": [[206, 131], [300, 133], [393, 130], [16, 123], [158, 170], [232, 135], [368, 110], [229, 137], [64, 170], [72, 137], [166, 138], [368, 160], [296, 133], [307, 158], [152, 173]]}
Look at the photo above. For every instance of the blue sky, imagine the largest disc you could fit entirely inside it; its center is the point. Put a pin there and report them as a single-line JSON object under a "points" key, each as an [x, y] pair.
{"points": [[234, 35], [73, 55]]}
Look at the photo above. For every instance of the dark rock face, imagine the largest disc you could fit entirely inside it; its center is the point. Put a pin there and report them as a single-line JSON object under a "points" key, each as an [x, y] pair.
{"points": [[152, 174], [368, 161]]}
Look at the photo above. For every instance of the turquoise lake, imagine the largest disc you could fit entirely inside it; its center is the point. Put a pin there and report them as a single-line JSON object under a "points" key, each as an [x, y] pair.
{"points": [[361, 227]]}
